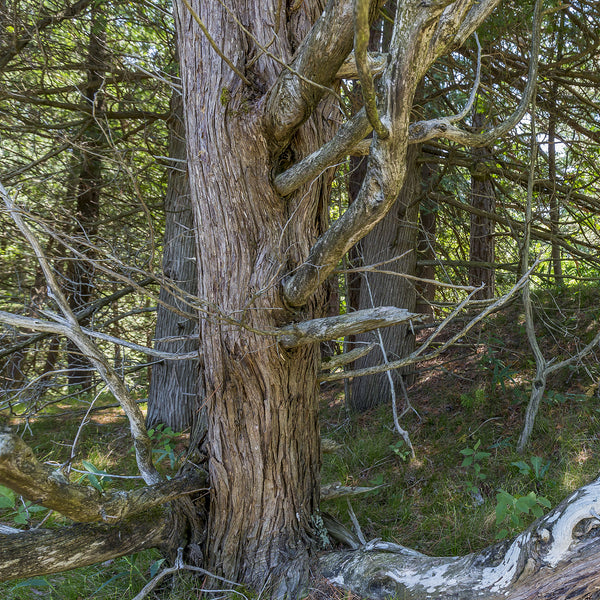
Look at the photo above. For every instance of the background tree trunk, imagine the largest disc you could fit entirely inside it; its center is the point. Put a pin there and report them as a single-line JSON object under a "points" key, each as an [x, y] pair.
{"points": [[80, 272], [483, 197], [394, 236], [554, 207], [428, 210], [176, 390]]}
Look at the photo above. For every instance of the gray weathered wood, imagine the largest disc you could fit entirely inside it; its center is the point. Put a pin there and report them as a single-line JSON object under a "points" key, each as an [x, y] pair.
{"points": [[331, 328]]}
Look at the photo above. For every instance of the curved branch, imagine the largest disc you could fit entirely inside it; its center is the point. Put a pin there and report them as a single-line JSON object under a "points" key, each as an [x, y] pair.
{"points": [[362, 29], [331, 153], [322, 52], [443, 127]]}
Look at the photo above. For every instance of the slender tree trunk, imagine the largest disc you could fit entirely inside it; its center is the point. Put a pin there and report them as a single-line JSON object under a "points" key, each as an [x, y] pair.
{"points": [[262, 401], [394, 237], [88, 191], [482, 245], [428, 210], [554, 208], [175, 394]]}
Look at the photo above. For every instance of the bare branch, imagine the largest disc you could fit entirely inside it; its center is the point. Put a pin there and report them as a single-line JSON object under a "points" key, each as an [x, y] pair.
{"points": [[376, 62], [418, 355], [335, 150], [443, 127], [43, 551], [337, 490], [331, 328], [339, 360], [321, 54]]}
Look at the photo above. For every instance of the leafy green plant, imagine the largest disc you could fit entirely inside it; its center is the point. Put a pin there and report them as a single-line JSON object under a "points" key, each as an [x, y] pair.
{"points": [[472, 459], [95, 475], [515, 508], [536, 468], [500, 371], [163, 437], [400, 449], [19, 510]]}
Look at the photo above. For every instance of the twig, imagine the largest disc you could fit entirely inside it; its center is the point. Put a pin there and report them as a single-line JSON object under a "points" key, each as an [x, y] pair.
{"points": [[356, 524], [180, 566]]}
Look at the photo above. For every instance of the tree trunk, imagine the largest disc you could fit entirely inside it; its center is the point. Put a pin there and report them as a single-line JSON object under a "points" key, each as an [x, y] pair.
{"points": [[81, 275], [395, 236], [428, 210], [554, 207], [175, 394], [483, 197], [262, 400]]}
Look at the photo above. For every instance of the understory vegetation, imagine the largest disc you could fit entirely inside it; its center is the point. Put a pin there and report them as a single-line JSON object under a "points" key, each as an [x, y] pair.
{"points": [[466, 487]]}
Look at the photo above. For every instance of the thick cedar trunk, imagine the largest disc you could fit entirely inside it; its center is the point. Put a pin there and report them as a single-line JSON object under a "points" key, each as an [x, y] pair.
{"points": [[394, 236], [81, 275], [175, 393], [483, 197], [262, 400]]}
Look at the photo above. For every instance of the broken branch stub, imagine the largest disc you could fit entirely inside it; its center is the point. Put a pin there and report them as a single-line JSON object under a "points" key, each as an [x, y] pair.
{"points": [[331, 328]]}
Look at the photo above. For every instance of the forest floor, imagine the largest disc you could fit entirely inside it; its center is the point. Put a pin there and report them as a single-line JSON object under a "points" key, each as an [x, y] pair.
{"points": [[465, 488]]}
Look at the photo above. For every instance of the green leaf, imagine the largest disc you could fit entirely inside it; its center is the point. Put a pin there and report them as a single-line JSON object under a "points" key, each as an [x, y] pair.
{"points": [[38, 582], [522, 466], [544, 501], [91, 467], [537, 511], [501, 510], [480, 455], [94, 481], [7, 493], [6, 502], [155, 566], [113, 578], [20, 518]]}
